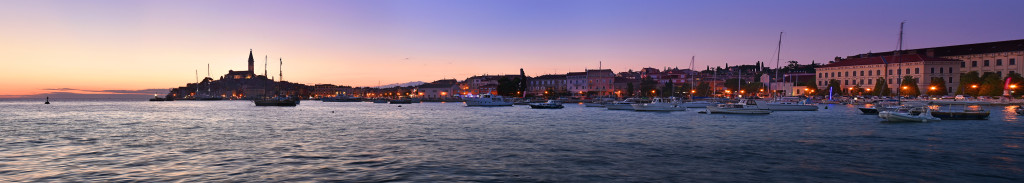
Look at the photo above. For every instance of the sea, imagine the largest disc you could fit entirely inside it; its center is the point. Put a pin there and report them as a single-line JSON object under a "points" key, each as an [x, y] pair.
{"points": [[235, 141]]}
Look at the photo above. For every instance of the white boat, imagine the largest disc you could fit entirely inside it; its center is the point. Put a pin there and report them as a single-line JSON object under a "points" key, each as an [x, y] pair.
{"points": [[699, 104], [792, 106], [660, 104], [487, 100], [550, 104], [742, 107], [908, 114], [621, 105]]}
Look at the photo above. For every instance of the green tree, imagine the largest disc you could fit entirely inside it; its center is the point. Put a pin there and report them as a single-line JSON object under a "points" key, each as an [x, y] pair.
{"points": [[704, 89], [812, 88], [1016, 81], [881, 88], [646, 86], [629, 89], [940, 86], [991, 85], [508, 86], [968, 84], [909, 86], [733, 84], [833, 85], [667, 90], [753, 88]]}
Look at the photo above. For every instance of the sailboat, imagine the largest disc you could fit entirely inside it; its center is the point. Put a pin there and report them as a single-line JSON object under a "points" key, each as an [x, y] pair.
{"points": [[278, 100], [692, 103], [905, 113]]}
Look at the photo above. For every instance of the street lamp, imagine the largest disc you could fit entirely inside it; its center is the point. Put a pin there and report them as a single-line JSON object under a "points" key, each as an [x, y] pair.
{"points": [[1013, 86], [933, 88], [974, 86]]}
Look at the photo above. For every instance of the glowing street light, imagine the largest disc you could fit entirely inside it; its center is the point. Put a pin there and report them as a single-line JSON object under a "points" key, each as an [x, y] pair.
{"points": [[974, 86], [905, 87], [933, 88], [1013, 86]]}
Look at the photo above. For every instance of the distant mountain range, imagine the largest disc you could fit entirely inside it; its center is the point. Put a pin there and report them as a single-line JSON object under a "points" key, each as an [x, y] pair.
{"points": [[412, 83]]}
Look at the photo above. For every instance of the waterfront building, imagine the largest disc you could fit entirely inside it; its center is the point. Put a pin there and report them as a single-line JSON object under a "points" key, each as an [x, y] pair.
{"points": [[438, 90], [861, 72], [1000, 57], [576, 82], [540, 85], [600, 82]]}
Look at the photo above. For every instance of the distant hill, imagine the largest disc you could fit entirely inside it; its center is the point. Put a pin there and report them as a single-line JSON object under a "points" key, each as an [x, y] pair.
{"points": [[412, 83]]}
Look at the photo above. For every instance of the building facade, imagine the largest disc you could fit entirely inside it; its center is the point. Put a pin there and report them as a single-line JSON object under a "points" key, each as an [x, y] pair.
{"points": [[861, 72], [541, 84]]}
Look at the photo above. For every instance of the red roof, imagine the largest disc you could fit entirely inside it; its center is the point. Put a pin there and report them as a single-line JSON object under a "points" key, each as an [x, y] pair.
{"points": [[878, 60]]}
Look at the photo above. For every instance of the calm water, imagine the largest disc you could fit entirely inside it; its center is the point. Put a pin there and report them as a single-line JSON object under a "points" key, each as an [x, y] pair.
{"points": [[193, 141]]}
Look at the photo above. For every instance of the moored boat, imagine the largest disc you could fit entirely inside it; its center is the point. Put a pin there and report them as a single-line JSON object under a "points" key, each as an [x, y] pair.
{"points": [[626, 104], [342, 98], [698, 104], [660, 104], [487, 100], [550, 104], [961, 113], [908, 114], [401, 101], [277, 101], [742, 107]]}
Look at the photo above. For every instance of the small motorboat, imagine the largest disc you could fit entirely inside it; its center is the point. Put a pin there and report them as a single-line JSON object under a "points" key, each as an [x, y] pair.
{"points": [[621, 105], [742, 107], [277, 101], [961, 113], [401, 101], [699, 104], [487, 100], [908, 114], [660, 104], [1020, 110], [550, 104], [875, 109]]}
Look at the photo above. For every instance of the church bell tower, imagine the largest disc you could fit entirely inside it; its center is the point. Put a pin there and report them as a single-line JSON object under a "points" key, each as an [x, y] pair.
{"points": [[251, 61]]}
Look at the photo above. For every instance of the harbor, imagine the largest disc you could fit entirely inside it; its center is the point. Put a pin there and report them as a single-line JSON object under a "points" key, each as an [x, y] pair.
{"points": [[202, 141]]}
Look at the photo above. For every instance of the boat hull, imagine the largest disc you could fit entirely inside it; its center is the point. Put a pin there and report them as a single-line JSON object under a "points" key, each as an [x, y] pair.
{"points": [[866, 110], [785, 107], [619, 106], [658, 107], [961, 115], [559, 106], [891, 116], [283, 103], [719, 110], [472, 103]]}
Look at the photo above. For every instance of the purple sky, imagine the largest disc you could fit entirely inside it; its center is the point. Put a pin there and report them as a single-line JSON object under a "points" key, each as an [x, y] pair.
{"points": [[131, 45]]}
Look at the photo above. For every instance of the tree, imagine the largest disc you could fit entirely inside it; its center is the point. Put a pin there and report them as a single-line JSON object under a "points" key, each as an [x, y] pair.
{"points": [[939, 86], [733, 84], [1016, 81], [753, 88], [833, 86], [704, 89], [522, 81], [969, 83], [991, 85], [881, 88], [646, 86], [812, 88], [667, 90], [507, 87], [909, 86], [629, 89]]}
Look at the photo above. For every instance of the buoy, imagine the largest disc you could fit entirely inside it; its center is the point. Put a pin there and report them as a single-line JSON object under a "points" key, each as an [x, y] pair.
{"points": [[399, 105], [47, 100]]}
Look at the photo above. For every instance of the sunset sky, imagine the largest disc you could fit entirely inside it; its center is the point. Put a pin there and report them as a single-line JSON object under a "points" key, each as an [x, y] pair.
{"points": [[111, 46]]}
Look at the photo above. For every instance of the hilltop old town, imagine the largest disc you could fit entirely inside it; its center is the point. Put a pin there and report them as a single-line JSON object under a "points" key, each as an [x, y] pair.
{"points": [[981, 69]]}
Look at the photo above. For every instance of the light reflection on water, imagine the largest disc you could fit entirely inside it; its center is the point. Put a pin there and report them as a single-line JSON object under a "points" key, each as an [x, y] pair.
{"points": [[235, 141]]}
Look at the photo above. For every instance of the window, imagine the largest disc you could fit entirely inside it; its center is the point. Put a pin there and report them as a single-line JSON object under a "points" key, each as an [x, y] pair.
{"points": [[950, 80], [855, 73], [999, 62], [1013, 61], [861, 81], [962, 64], [986, 63], [974, 63], [916, 71], [869, 81], [819, 75], [869, 73], [878, 72], [890, 81], [940, 70], [951, 70], [908, 71], [933, 70], [890, 71], [861, 73], [899, 71], [847, 74], [847, 82]]}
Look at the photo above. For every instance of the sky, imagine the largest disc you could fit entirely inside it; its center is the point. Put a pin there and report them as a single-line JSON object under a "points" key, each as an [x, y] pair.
{"points": [[137, 47]]}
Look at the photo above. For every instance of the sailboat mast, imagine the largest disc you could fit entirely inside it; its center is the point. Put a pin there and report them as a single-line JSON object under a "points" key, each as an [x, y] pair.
{"points": [[899, 65], [265, 65], [280, 69], [778, 56], [692, 85]]}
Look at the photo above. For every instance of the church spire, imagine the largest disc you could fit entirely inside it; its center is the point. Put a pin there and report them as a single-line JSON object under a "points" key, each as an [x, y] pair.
{"points": [[251, 61]]}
